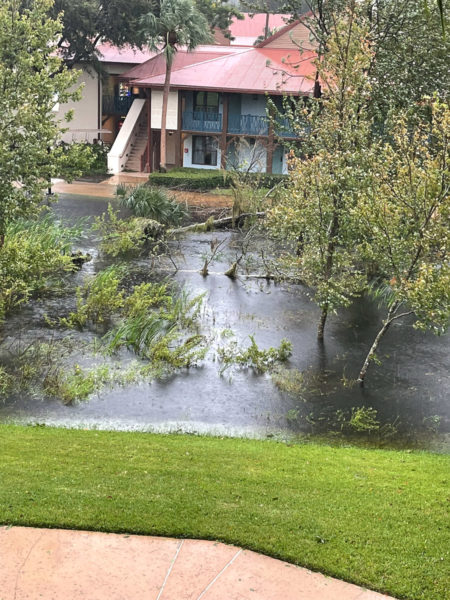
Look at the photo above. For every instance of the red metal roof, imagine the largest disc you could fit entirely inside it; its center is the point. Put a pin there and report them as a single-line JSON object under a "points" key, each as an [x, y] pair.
{"points": [[157, 64], [247, 70], [253, 25]]}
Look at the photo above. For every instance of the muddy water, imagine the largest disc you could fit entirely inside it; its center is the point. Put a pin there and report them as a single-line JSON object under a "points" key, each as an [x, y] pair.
{"points": [[409, 390]]}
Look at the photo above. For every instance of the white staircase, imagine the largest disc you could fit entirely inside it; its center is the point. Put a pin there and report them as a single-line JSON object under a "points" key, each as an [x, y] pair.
{"points": [[138, 148], [130, 144]]}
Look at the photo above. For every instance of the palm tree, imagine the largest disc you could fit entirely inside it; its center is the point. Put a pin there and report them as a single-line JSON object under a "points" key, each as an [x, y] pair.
{"points": [[178, 25]]}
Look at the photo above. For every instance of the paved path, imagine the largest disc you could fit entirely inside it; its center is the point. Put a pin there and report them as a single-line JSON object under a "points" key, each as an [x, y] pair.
{"points": [[107, 189], [53, 564]]}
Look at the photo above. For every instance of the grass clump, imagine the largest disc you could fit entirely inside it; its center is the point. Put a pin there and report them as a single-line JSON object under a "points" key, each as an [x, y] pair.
{"points": [[373, 517], [77, 383], [6, 382], [152, 320], [254, 357], [44, 368]]}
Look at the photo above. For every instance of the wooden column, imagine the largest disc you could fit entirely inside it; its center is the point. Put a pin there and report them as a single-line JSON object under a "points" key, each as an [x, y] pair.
{"points": [[178, 138], [149, 163], [270, 147], [223, 136]]}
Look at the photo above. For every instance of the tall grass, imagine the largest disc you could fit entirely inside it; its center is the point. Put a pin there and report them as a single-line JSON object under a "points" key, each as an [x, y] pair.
{"points": [[139, 333], [154, 332]]}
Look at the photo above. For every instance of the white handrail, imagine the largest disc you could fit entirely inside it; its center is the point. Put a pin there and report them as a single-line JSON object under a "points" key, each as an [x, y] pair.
{"points": [[118, 155]]}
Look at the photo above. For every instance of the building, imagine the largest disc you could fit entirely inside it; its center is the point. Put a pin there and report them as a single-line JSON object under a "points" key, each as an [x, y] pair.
{"points": [[218, 106], [217, 113]]}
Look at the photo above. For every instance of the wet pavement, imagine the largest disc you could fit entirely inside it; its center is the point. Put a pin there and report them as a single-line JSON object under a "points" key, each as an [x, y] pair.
{"points": [[77, 565], [107, 189]]}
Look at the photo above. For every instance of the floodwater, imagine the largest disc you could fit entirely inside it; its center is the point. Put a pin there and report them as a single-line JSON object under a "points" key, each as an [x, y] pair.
{"points": [[409, 390]]}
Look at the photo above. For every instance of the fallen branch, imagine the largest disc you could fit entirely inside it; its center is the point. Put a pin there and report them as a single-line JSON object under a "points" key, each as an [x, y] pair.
{"points": [[211, 224]]}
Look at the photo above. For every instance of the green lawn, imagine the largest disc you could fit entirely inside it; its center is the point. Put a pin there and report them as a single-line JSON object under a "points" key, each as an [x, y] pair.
{"points": [[374, 517]]}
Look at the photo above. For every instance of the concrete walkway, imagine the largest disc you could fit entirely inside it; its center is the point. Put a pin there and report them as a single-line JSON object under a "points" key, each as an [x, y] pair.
{"points": [[52, 564]]}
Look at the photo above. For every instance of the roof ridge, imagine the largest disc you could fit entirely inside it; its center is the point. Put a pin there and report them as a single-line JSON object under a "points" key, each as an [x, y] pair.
{"points": [[278, 33]]}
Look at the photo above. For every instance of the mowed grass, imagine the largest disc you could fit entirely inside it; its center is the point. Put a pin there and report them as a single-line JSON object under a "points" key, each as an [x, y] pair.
{"points": [[375, 518]]}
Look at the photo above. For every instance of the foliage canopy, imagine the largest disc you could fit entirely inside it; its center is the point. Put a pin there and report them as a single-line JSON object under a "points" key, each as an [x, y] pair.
{"points": [[32, 80]]}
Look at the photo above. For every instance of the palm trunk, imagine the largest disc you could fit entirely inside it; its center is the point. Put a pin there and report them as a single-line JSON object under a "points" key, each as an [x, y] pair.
{"points": [[266, 28], [374, 347], [165, 102]]}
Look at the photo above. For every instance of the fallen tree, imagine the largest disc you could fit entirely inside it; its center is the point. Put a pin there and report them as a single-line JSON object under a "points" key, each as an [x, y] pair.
{"points": [[212, 224]]}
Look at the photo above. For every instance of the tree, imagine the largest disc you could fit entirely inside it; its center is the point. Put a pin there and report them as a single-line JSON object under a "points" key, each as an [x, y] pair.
{"points": [[178, 25], [87, 22], [317, 210], [410, 54], [405, 217], [29, 133], [218, 14]]}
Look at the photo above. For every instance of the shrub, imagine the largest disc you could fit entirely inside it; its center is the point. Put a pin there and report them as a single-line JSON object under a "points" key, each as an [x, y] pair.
{"points": [[96, 158], [364, 419], [98, 300], [146, 296], [209, 179], [119, 236], [33, 258], [153, 203]]}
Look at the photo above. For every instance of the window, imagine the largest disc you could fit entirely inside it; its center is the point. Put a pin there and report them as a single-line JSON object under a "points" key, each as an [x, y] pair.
{"points": [[206, 102], [205, 150]]}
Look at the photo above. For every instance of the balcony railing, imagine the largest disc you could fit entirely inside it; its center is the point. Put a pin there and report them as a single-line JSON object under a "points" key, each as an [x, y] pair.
{"points": [[202, 121], [237, 124], [116, 105], [248, 125]]}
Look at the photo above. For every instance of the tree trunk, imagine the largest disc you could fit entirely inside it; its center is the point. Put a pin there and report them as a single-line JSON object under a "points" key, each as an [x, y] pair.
{"points": [[165, 102], [331, 247], [231, 273], [374, 347], [323, 319]]}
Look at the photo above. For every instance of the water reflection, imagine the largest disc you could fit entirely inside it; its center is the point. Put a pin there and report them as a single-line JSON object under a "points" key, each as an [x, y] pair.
{"points": [[409, 390]]}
